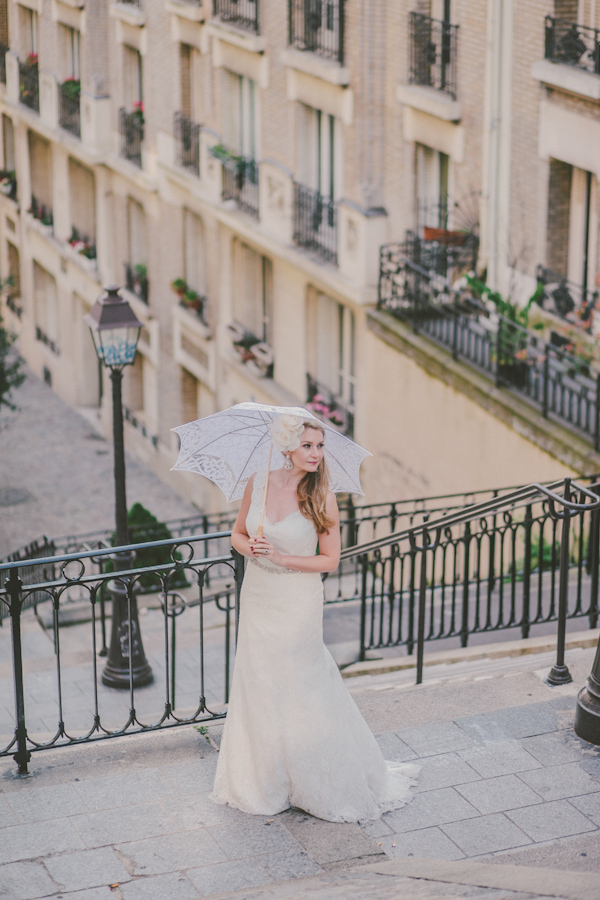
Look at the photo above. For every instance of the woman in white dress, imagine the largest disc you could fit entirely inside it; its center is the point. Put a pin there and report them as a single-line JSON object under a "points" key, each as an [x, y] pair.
{"points": [[293, 736]]}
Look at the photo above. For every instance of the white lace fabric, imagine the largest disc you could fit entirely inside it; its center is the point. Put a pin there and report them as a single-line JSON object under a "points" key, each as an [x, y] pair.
{"points": [[293, 735]]}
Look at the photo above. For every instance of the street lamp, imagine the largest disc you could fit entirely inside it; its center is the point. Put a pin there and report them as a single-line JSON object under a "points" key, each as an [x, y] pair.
{"points": [[115, 331]]}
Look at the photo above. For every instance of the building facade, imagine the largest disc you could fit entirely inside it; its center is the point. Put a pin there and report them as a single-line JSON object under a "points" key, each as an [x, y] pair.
{"points": [[237, 167]]}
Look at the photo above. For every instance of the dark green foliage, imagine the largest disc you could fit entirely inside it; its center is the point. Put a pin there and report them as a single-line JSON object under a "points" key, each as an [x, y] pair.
{"points": [[143, 528], [11, 376]]}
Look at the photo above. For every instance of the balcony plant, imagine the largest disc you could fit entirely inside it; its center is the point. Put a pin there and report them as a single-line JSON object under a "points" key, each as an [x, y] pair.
{"points": [[321, 407], [138, 112], [41, 212], [81, 244], [71, 89], [31, 60], [179, 286], [8, 183]]}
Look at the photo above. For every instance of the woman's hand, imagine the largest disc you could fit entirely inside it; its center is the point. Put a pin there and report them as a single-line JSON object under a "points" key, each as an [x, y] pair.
{"points": [[260, 547]]}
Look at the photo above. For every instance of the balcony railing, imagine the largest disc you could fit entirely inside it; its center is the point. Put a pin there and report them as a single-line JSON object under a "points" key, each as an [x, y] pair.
{"points": [[29, 85], [433, 53], [315, 223], [573, 44], [69, 115], [42, 212], [136, 281], [317, 26], [240, 182], [560, 385], [187, 138], [41, 335], [324, 403], [131, 127], [137, 423], [241, 13], [4, 48], [566, 298]]}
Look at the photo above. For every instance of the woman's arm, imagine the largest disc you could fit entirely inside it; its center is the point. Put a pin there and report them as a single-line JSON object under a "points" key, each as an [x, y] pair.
{"points": [[329, 547], [239, 535]]}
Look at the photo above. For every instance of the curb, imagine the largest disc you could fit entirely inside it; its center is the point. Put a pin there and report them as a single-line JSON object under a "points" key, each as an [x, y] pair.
{"points": [[523, 647], [523, 879]]}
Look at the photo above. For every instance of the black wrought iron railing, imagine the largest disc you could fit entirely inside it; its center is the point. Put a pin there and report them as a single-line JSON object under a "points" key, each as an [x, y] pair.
{"points": [[561, 386], [240, 183], [40, 335], [241, 13], [131, 129], [523, 560], [432, 53], [564, 297], [573, 44], [315, 223], [29, 86], [69, 115], [318, 27], [136, 281], [8, 183], [327, 405], [187, 138], [4, 48], [136, 422]]}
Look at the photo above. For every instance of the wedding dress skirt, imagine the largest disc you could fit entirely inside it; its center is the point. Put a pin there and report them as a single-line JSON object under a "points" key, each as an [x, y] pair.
{"points": [[293, 735]]}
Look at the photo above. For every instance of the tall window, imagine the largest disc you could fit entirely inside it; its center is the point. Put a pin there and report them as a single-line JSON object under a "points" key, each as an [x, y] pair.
{"points": [[46, 304], [14, 271], [252, 291], [40, 160], [432, 169], [69, 42], [132, 77], [194, 252], [240, 114], [136, 233], [317, 151], [190, 90], [8, 143], [334, 348], [82, 195], [29, 30]]}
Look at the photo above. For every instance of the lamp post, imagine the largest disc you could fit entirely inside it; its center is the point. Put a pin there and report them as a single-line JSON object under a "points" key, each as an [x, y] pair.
{"points": [[115, 331]]}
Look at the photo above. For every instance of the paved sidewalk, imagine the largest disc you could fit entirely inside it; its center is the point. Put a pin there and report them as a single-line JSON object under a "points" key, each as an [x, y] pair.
{"points": [[503, 779], [56, 473]]}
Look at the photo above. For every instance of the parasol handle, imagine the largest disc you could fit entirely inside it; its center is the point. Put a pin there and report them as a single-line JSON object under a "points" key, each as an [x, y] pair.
{"points": [[259, 533]]}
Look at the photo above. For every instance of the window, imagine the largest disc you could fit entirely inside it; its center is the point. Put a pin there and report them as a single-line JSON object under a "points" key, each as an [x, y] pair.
{"points": [[69, 43], [29, 30], [240, 114], [132, 78], [252, 291], [14, 271], [318, 149], [82, 195], [334, 349], [136, 233], [190, 93], [582, 240], [193, 251], [46, 306], [40, 164], [432, 170], [196, 398], [8, 143]]}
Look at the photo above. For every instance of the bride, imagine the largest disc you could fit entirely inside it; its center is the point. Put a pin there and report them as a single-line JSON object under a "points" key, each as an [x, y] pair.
{"points": [[293, 736]]}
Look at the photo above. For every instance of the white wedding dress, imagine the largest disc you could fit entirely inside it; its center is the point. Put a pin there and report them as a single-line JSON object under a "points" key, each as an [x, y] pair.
{"points": [[293, 736]]}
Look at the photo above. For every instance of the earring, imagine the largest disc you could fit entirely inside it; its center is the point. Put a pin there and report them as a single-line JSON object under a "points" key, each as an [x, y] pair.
{"points": [[288, 464]]}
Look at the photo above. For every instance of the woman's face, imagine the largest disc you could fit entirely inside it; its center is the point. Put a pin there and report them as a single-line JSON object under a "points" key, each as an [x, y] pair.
{"points": [[310, 452]]}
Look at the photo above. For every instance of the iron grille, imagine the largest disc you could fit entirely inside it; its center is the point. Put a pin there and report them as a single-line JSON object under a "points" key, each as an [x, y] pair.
{"points": [[315, 222], [241, 13], [573, 44], [187, 138], [131, 127], [317, 26], [29, 86], [433, 53]]}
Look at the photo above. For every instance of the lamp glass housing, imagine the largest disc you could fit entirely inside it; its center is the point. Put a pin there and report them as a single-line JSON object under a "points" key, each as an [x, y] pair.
{"points": [[116, 346]]}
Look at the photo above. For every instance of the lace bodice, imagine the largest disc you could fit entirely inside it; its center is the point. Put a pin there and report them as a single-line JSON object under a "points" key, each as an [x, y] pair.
{"points": [[293, 536]]}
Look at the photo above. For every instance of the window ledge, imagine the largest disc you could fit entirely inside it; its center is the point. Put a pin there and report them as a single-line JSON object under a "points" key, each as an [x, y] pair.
{"points": [[74, 4], [253, 43], [131, 15], [317, 66], [186, 10], [567, 78], [430, 100]]}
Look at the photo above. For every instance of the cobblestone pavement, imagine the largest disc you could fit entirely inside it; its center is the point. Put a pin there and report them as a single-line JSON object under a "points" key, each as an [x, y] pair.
{"points": [[56, 473], [503, 779]]}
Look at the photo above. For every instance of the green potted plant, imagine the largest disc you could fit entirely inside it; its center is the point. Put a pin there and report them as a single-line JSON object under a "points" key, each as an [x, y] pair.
{"points": [[179, 286]]}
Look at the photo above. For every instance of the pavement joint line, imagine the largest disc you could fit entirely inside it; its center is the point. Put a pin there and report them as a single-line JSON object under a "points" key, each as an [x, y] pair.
{"points": [[525, 879], [522, 647]]}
